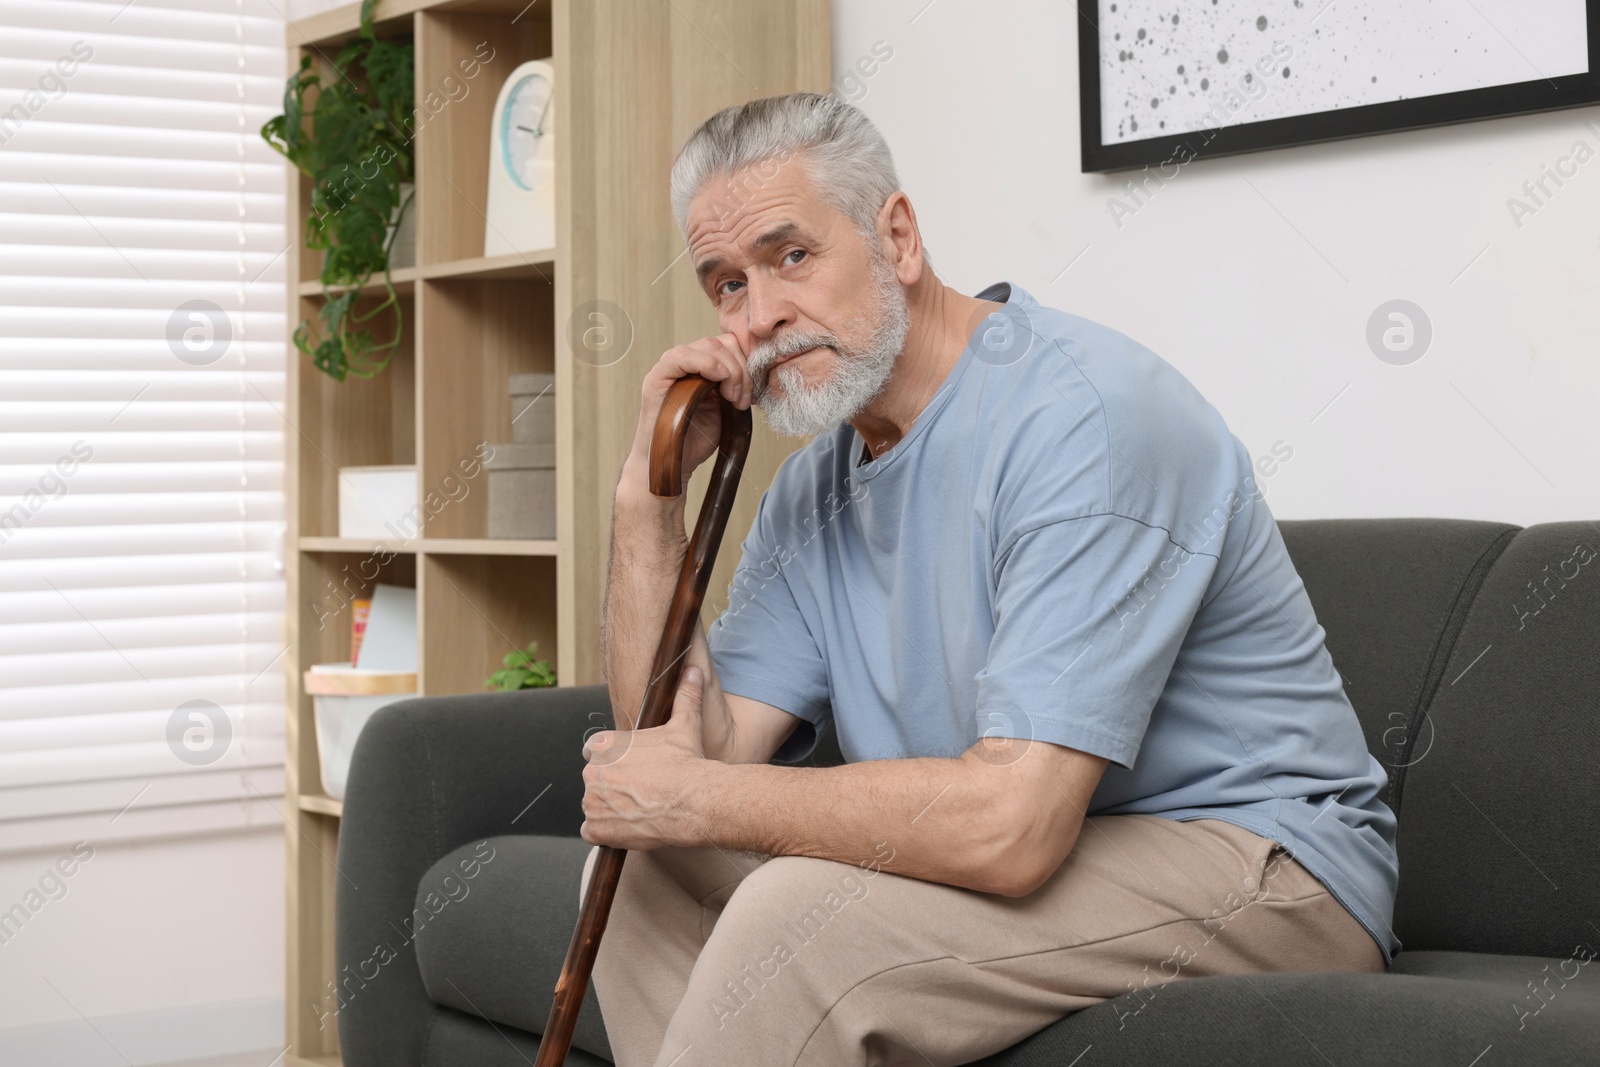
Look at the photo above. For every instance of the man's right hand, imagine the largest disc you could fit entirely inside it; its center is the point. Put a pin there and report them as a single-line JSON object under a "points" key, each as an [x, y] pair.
{"points": [[717, 358]]}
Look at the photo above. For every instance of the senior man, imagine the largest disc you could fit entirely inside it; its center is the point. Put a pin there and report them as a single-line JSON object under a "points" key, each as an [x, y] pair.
{"points": [[1094, 741]]}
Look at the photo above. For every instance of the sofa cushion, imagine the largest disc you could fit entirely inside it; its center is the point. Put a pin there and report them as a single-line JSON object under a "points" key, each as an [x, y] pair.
{"points": [[1390, 595], [1439, 1008], [1498, 848], [493, 946], [456, 1039]]}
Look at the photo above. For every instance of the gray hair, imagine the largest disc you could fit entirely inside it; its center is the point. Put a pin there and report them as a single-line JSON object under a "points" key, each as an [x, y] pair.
{"points": [[846, 157]]}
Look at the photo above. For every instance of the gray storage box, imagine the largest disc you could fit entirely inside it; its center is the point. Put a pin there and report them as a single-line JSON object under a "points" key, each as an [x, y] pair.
{"points": [[522, 491], [533, 409]]}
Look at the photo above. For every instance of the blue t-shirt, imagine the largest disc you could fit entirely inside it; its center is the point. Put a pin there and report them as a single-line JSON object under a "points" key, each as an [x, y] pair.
{"points": [[1068, 545]]}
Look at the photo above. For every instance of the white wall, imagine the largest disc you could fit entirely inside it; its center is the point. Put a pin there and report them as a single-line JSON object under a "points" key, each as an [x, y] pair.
{"points": [[174, 948], [1256, 275]]}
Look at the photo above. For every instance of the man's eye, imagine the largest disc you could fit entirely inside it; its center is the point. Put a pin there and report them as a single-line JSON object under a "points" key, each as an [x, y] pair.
{"points": [[790, 257], [722, 290]]}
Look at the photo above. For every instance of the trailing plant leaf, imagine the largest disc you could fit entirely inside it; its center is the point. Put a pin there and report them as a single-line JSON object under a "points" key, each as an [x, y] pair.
{"points": [[349, 133]]}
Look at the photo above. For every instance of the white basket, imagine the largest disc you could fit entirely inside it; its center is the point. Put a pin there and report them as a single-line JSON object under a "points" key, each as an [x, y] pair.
{"points": [[345, 698]]}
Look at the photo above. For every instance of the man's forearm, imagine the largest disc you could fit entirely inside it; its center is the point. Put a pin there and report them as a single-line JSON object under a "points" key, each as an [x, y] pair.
{"points": [[939, 820], [648, 545]]}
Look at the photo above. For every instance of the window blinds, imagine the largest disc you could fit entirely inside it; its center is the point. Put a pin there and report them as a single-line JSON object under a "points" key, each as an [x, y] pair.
{"points": [[142, 265]]}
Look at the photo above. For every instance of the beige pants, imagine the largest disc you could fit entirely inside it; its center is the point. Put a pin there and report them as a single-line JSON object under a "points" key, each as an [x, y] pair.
{"points": [[724, 959]]}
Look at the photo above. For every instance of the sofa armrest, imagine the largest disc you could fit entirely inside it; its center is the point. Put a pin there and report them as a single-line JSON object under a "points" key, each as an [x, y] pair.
{"points": [[429, 775]]}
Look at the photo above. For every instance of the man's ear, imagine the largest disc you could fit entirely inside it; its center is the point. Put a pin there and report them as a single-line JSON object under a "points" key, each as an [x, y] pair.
{"points": [[897, 225]]}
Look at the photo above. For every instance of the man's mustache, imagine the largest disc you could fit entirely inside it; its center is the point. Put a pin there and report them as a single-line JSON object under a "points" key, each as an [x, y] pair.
{"points": [[765, 354]]}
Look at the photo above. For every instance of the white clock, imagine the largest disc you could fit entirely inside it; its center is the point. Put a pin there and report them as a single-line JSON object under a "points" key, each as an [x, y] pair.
{"points": [[522, 163]]}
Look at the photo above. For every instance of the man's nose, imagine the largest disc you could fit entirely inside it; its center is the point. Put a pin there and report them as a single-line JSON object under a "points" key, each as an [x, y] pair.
{"points": [[769, 310]]}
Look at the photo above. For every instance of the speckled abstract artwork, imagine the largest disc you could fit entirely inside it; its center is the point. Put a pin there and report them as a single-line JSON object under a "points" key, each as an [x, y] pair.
{"points": [[1186, 65]]}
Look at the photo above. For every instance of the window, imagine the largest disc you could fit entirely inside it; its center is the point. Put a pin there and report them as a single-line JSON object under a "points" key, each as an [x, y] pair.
{"points": [[142, 309]]}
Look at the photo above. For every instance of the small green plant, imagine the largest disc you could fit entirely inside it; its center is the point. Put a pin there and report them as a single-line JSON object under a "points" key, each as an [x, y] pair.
{"points": [[357, 155], [522, 671]]}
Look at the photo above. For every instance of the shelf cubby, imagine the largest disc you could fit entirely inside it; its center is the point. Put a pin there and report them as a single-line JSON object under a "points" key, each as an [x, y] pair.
{"points": [[476, 609], [475, 335], [453, 167], [328, 582], [359, 422]]}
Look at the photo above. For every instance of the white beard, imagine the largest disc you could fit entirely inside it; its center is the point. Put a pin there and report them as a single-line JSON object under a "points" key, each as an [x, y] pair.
{"points": [[858, 376]]}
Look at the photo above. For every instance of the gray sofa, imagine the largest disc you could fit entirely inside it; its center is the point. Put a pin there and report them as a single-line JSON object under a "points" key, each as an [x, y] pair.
{"points": [[1471, 651]]}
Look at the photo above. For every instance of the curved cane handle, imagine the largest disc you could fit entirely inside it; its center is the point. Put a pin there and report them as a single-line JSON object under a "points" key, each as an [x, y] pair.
{"points": [[672, 431]]}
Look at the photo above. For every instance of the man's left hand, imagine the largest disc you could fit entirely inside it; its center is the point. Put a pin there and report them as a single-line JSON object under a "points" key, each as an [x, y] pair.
{"points": [[640, 785]]}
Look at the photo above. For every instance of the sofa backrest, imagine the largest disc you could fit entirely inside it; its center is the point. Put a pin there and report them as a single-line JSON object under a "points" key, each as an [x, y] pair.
{"points": [[1391, 595], [1471, 652], [1498, 838]]}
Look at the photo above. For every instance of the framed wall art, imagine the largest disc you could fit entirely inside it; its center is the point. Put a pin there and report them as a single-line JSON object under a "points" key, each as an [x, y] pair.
{"points": [[1169, 82]]}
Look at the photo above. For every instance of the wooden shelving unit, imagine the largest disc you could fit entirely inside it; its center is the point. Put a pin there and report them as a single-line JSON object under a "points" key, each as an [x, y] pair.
{"points": [[634, 78]]}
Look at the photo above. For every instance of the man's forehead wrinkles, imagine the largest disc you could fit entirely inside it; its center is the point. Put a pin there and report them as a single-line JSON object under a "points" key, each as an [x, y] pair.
{"points": [[772, 233], [747, 214]]}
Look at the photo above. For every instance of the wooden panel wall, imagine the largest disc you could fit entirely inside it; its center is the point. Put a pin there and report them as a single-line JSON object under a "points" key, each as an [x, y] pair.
{"points": [[655, 70]]}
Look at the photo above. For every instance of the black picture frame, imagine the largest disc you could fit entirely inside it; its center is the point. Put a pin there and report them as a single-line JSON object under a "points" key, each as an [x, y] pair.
{"points": [[1518, 98]]}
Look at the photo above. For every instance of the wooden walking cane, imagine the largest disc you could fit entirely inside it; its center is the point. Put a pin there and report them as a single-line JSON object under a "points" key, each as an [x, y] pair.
{"points": [[666, 479]]}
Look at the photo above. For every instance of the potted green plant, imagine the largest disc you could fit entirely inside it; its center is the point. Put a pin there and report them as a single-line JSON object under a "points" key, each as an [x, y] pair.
{"points": [[347, 133], [522, 671]]}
